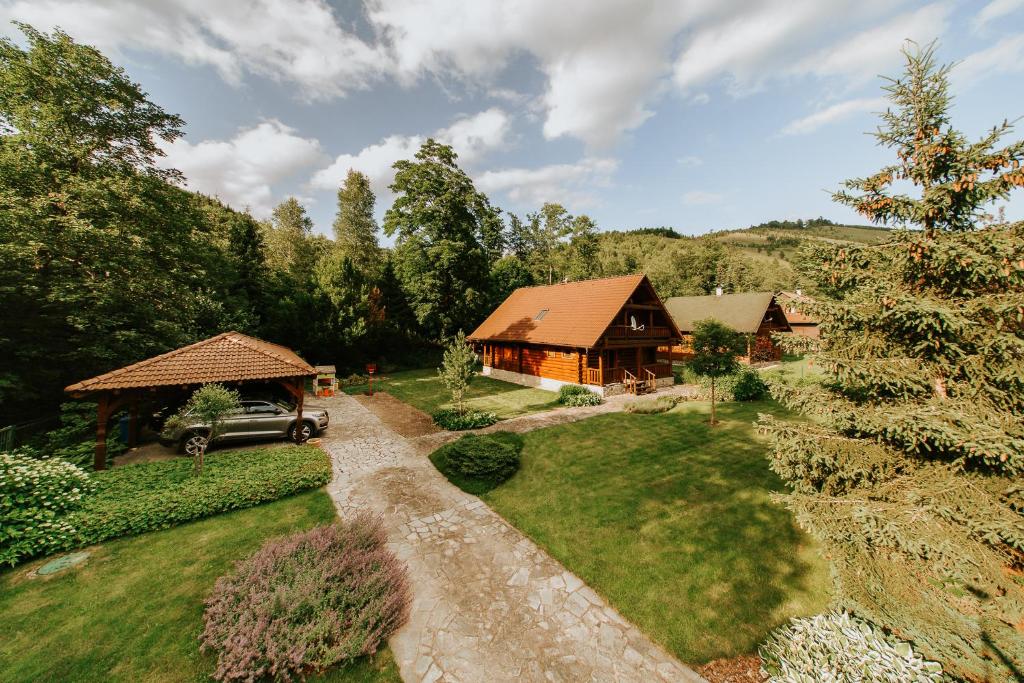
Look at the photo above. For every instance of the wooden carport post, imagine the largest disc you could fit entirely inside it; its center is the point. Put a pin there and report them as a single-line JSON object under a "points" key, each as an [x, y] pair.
{"points": [[300, 393], [99, 460]]}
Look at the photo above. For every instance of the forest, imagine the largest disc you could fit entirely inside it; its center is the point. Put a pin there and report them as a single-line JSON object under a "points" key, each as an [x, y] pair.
{"points": [[109, 259]]}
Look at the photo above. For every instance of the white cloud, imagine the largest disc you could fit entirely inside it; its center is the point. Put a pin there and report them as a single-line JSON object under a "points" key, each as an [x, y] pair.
{"points": [[298, 41], [997, 9], [242, 170], [472, 137], [568, 184], [699, 197], [1006, 56], [867, 54], [836, 112], [690, 160]]}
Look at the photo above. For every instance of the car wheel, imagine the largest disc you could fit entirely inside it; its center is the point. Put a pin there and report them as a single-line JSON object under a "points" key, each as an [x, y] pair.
{"points": [[305, 432], [194, 443]]}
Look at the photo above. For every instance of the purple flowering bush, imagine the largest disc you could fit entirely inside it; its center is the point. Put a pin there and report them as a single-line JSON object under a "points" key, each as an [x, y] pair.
{"points": [[306, 602]]}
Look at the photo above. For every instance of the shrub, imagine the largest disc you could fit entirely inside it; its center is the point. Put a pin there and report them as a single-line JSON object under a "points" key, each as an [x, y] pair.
{"points": [[306, 602], [837, 647], [145, 497], [478, 463], [34, 497], [749, 386], [575, 396], [75, 440], [662, 404], [455, 421]]}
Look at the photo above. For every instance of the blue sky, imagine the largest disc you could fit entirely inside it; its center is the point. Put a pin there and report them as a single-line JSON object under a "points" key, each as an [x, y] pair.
{"points": [[697, 115]]}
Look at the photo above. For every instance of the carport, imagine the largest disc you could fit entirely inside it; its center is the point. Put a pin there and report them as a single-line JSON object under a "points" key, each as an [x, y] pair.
{"points": [[230, 358]]}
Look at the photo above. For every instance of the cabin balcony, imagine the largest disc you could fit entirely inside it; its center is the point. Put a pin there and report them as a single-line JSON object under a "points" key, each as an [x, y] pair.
{"points": [[603, 377], [639, 332]]}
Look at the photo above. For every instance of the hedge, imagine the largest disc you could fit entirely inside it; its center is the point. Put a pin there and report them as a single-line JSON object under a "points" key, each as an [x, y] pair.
{"points": [[575, 396], [452, 420], [148, 496]]}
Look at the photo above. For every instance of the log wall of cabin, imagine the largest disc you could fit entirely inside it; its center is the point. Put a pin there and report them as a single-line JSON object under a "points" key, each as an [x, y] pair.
{"points": [[540, 361]]}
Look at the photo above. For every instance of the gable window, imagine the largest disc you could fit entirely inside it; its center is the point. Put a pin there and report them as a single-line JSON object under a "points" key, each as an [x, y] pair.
{"points": [[540, 316]]}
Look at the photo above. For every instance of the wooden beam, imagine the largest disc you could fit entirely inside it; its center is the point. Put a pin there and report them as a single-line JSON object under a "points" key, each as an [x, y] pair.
{"points": [[99, 460], [600, 365], [300, 386]]}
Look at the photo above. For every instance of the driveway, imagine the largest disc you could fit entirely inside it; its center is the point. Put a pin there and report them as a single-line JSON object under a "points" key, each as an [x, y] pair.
{"points": [[488, 604]]}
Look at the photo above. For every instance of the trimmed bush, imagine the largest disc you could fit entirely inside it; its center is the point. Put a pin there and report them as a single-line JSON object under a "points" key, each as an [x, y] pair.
{"points": [[745, 385], [478, 463], [454, 421], [749, 386], [306, 602], [149, 496], [35, 496], [652, 406], [839, 648], [575, 396]]}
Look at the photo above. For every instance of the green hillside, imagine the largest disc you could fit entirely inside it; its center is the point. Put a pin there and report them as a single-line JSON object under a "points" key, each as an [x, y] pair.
{"points": [[760, 257]]}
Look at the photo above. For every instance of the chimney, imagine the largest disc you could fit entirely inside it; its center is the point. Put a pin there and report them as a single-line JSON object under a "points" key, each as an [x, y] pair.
{"points": [[718, 290]]}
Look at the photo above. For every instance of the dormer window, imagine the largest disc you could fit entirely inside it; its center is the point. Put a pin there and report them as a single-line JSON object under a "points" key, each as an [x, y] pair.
{"points": [[540, 316]]}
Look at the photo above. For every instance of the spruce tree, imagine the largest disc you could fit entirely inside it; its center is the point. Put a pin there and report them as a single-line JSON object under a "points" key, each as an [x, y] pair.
{"points": [[355, 230], [910, 471]]}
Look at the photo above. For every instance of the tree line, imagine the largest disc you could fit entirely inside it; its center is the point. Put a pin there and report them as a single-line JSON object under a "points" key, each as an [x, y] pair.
{"points": [[110, 260]]}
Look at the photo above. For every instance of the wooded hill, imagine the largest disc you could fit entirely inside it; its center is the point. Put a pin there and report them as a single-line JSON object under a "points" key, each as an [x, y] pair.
{"points": [[760, 257]]}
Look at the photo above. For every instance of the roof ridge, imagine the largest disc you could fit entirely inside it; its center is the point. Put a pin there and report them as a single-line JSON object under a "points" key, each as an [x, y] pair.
{"points": [[579, 282], [243, 339]]}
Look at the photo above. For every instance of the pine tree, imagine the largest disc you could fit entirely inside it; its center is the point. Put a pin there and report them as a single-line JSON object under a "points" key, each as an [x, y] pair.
{"points": [[355, 230], [910, 472]]}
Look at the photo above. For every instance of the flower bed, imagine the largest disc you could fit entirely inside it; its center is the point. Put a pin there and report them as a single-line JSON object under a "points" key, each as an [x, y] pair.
{"points": [[306, 602]]}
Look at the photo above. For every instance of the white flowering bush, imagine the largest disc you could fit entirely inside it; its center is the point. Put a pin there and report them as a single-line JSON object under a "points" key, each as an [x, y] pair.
{"points": [[34, 495], [837, 647]]}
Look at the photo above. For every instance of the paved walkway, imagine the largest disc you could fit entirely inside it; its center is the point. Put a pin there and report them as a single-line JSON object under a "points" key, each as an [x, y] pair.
{"points": [[488, 604]]}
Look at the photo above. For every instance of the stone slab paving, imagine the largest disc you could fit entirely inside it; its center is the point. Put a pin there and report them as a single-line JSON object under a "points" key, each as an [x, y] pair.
{"points": [[488, 604], [558, 416]]}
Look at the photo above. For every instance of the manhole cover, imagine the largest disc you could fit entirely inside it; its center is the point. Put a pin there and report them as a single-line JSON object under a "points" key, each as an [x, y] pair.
{"points": [[63, 562]]}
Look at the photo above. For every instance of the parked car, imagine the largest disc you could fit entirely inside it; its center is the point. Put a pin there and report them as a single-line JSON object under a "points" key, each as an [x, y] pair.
{"points": [[254, 420]]}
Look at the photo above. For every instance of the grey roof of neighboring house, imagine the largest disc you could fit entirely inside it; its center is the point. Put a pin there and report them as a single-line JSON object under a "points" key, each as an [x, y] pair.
{"points": [[742, 312]]}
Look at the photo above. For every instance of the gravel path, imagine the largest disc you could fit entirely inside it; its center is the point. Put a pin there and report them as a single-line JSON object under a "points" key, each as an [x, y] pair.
{"points": [[488, 604]]}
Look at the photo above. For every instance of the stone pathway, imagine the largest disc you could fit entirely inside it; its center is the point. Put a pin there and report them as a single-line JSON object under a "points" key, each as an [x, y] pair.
{"points": [[488, 604], [558, 416]]}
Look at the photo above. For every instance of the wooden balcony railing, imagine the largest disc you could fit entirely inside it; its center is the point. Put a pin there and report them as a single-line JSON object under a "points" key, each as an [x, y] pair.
{"points": [[651, 371], [639, 332]]}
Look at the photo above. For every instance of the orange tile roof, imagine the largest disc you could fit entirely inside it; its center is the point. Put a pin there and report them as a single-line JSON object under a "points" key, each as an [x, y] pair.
{"points": [[228, 357], [790, 302], [578, 313]]}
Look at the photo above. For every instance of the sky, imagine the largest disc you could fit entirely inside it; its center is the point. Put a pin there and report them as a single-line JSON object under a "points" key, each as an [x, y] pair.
{"points": [[700, 115]]}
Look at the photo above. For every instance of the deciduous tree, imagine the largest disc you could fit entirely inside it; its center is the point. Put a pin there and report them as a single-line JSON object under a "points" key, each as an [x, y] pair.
{"points": [[715, 348]]}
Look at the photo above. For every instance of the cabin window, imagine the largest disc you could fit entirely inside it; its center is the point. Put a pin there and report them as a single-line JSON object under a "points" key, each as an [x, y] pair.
{"points": [[540, 316], [566, 354]]}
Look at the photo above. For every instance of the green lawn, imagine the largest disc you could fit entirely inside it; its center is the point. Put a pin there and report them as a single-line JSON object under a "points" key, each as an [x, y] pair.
{"points": [[133, 611], [671, 521], [423, 389]]}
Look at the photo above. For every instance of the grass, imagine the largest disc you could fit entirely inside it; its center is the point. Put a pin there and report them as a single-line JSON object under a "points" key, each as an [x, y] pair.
{"points": [[671, 521], [423, 389], [797, 369], [133, 611]]}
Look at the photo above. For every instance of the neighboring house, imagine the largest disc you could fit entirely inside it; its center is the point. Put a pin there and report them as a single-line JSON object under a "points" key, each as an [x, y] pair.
{"points": [[600, 333], [754, 314], [792, 304]]}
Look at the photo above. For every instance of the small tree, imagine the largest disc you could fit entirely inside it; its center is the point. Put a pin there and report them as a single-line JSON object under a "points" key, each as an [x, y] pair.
{"points": [[715, 348], [457, 369], [208, 405]]}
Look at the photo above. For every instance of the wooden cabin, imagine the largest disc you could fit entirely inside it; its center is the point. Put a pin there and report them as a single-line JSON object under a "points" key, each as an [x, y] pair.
{"points": [[754, 314], [603, 334], [793, 304]]}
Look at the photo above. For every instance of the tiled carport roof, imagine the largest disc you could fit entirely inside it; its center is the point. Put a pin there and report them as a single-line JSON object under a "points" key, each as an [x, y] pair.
{"points": [[228, 357]]}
